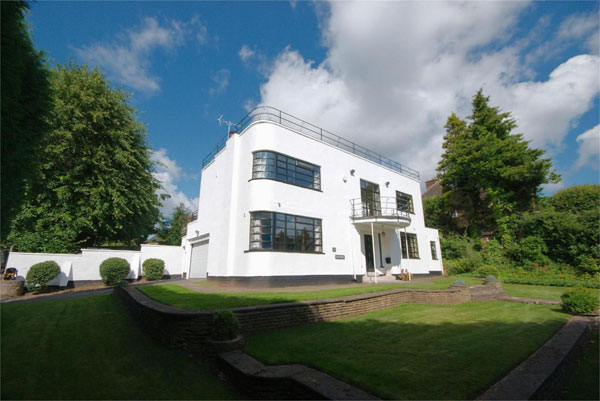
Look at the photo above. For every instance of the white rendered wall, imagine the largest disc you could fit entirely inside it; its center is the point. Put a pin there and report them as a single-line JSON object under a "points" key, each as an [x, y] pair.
{"points": [[229, 194], [85, 266]]}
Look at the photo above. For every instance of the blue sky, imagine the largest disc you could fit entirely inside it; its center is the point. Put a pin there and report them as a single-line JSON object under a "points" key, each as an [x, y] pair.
{"points": [[385, 75]]}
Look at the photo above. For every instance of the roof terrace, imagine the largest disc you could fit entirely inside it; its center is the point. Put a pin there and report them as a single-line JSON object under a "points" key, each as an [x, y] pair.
{"points": [[267, 113]]}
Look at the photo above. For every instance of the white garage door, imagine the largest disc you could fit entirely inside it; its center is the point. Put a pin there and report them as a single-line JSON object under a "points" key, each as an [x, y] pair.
{"points": [[199, 261]]}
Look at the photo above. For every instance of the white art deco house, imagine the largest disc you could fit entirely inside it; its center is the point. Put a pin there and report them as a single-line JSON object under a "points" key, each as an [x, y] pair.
{"points": [[283, 202]]}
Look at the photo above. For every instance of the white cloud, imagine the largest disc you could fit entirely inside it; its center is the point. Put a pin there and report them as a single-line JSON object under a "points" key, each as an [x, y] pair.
{"points": [[589, 149], [221, 80], [392, 88], [127, 58], [579, 25], [245, 53], [169, 173]]}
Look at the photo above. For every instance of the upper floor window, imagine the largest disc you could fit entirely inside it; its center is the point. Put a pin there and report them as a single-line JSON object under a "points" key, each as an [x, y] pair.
{"points": [[275, 166], [369, 196], [410, 246], [404, 202], [433, 250], [285, 232]]}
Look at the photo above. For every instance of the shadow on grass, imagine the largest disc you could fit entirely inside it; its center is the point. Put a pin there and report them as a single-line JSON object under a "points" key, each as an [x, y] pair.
{"points": [[89, 348], [417, 351]]}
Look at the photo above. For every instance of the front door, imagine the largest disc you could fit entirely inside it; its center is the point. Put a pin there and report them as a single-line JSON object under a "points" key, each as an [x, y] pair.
{"points": [[369, 252]]}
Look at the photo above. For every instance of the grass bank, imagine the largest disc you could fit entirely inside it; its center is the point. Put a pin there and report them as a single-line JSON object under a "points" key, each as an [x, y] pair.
{"points": [[417, 351], [175, 295], [89, 348], [184, 298]]}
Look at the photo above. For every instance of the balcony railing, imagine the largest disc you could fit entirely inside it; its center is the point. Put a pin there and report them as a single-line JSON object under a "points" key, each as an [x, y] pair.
{"points": [[262, 113], [386, 207]]}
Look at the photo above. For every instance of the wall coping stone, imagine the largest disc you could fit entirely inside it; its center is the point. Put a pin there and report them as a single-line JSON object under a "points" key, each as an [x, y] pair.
{"points": [[524, 380], [321, 383]]}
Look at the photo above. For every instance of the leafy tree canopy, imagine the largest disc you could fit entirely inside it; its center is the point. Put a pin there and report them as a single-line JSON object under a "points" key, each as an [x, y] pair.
{"points": [[174, 228], [25, 104], [94, 183], [487, 172]]}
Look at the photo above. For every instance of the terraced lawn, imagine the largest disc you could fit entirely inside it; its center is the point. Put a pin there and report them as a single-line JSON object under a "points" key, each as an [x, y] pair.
{"points": [[417, 351], [184, 298], [89, 348]]}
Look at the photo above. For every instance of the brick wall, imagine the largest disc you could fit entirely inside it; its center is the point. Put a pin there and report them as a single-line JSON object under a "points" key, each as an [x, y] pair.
{"points": [[185, 329]]}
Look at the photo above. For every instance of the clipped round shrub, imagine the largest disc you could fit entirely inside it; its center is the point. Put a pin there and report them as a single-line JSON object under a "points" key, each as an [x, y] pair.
{"points": [[459, 282], [153, 269], [113, 270], [580, 300], [40, 274], [488, 270], [226, 326], [123, 283], [491, 278]]}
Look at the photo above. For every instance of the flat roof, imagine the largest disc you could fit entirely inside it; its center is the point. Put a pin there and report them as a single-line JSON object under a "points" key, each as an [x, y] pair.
{"points": [[267, 113]]}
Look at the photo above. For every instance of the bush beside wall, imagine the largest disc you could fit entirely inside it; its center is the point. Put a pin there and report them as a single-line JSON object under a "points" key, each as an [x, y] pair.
{"points": [[580, 300], [153, 269], [40, 274], [113, 270]]}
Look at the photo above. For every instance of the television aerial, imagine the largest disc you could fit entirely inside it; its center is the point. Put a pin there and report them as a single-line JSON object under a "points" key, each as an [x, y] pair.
{"points": [[228, 123]]}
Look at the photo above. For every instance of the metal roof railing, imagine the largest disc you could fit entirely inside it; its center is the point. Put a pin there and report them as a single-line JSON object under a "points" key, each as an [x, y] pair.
{"points": [[267, 113]]}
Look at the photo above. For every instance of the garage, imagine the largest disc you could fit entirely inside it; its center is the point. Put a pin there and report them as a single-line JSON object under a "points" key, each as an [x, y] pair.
{"points": [[199, 261]]}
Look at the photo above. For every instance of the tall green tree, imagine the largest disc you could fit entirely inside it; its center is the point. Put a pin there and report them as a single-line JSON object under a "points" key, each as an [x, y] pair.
{"points": [[175, 227], [488, 172], [25, 102], [95, 181]]}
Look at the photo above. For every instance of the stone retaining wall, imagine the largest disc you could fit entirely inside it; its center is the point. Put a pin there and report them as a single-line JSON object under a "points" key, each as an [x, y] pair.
{"points": [[186, 329], [11, 288]]}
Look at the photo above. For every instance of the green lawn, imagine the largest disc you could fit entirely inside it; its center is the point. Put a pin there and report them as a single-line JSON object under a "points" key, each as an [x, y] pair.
{"points": [[184, 298], [444, 283], [89, 348], [536, 291], [417, 351], [175, 295]]}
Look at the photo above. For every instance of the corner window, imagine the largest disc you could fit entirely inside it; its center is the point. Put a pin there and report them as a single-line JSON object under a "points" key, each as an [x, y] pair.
{"points": [[433, 250], [410, 246], [404, 202], [275, 166], [285, 232]]}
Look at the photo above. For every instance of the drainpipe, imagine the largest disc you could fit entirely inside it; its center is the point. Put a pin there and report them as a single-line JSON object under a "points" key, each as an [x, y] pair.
{"points": [[373, 243]]}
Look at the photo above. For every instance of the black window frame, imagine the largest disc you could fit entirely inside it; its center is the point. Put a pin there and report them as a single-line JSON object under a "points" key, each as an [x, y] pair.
{"points": [[282, 232], [271, 165], [410, 245], [433, 246], [408, 198], [370, 197]]}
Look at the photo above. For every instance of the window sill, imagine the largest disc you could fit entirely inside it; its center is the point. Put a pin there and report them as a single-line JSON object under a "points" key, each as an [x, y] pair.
{"points": [[283, 182], [283, 251]]}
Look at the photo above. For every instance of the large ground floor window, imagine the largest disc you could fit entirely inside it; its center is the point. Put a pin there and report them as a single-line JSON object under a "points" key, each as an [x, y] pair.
{"points": [[285, 232], [410, 246]]}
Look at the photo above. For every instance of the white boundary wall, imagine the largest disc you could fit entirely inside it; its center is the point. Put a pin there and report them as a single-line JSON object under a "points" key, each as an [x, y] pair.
{"points": [[85, 266]]}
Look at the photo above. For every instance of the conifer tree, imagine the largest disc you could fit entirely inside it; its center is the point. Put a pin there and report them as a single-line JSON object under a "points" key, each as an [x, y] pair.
{"points": [[488, 172]]}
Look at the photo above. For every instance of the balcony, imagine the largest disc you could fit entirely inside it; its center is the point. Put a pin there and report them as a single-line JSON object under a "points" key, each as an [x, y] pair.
{"points": [[388, 211]]}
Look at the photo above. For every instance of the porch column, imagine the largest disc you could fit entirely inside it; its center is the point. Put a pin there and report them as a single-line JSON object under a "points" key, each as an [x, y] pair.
{"points": [[373, 243]]}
